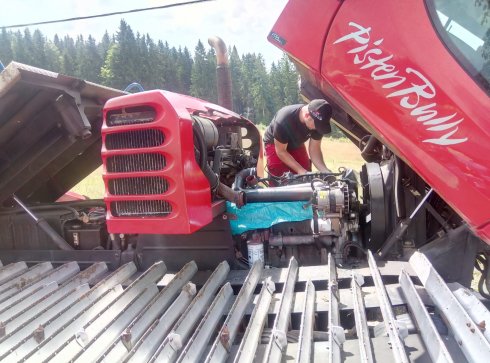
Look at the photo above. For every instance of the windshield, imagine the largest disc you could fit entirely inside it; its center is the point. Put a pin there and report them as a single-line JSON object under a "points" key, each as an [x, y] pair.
{"points": [[464, 27]]}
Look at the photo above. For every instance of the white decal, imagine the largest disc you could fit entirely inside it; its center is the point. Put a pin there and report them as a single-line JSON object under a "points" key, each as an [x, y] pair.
{"points": [[410, 87]]}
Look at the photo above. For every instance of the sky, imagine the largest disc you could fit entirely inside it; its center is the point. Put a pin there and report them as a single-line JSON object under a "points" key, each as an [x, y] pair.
{"points": [[243, 23]]}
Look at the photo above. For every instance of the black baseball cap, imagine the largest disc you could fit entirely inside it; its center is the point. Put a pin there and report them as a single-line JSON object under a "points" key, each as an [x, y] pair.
{"points": [[321, 112]]}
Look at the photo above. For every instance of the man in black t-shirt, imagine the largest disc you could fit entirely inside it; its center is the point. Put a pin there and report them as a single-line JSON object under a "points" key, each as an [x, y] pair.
{"points": [[287, 133]]}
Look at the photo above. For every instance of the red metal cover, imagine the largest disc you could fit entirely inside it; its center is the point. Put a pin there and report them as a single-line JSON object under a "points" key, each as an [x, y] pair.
{"points": [[153, 183], [384, 61]]}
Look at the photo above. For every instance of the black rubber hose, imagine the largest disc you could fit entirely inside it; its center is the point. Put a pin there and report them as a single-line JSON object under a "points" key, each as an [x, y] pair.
{"points": [[483, 259], [56, 206], [369, 147], [241, 176], [220, 189], [206, 169], [201, 146]]}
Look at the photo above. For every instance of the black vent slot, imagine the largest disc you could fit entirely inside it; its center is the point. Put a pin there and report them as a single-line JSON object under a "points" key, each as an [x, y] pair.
{"points": [[147, 185], [135, 162], [141, 208], [131, 116], [136, 139]]}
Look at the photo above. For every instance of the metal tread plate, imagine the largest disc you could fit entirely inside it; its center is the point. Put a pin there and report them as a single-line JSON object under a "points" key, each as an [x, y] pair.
{"points": [[321, 314]]}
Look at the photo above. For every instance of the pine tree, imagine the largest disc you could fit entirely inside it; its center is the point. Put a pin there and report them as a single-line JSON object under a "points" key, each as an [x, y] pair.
{"points": [[276, 87], [260, 89], [38, 50], [69, 62], [156, 66], [6, 53], [89, 61], [21, 45], [104, 45], [121, 63], [289, 77], [236, 81], [118, 60], [53, 57], [57, 42], [108, 74], [203, 76], [185, 59]]}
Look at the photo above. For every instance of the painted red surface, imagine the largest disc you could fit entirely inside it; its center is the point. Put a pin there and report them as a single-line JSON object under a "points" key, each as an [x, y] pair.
{"points": [[384, 63], [189, 191]]}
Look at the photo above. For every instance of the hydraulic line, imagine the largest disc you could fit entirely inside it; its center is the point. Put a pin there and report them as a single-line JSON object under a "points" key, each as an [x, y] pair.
{"points": [[217, 187], [43, 224]]}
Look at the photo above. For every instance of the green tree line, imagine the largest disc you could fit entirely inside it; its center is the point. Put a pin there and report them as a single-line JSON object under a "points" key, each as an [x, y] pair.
{"points": [[125, 57]]}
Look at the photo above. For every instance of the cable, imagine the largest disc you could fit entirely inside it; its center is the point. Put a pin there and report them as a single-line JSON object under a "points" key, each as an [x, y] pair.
{"points": [[483, 259], [104, 15]]}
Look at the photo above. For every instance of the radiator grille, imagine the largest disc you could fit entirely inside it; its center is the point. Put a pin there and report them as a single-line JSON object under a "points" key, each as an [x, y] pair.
{"points": [[138, 186], [135, 162], [136, 139], [141, 208], [131, 116]]}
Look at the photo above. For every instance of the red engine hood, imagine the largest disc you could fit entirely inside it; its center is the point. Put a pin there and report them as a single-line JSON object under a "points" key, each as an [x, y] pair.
{"points": [[400, 83]]}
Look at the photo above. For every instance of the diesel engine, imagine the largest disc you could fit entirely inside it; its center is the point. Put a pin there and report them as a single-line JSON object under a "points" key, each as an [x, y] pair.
{"points": [[309, 216]]}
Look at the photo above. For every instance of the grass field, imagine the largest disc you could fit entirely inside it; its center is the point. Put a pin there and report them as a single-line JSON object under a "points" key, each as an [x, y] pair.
{"points": [[336, 152], [341, 152]]}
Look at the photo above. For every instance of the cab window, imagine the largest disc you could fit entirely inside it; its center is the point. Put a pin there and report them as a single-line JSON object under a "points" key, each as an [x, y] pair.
{"points": [[464, 26]]}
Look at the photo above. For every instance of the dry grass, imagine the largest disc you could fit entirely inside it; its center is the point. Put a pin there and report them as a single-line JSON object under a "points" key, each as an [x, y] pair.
{"points": [[341, 152], [92, 186]]}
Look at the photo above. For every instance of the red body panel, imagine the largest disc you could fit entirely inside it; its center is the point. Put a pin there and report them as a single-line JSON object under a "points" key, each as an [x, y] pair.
{"points": [[294, 28], [188, 190], [386, 65]]}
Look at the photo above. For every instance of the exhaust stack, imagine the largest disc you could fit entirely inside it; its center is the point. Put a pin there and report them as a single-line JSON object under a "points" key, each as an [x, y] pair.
{"points": [[223, 74]]}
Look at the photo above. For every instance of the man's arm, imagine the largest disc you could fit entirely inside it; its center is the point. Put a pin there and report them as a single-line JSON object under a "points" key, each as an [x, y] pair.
{"points": [[287, 158], [316, 155]]}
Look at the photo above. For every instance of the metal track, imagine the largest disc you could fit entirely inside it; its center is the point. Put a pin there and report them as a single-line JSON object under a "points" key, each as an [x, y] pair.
{"points": [[375, 313]]}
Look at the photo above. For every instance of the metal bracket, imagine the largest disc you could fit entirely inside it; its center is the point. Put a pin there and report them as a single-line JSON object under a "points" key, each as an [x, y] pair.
{"points": [[81, 338], [338, 334], [175, 341], [280, 339]]}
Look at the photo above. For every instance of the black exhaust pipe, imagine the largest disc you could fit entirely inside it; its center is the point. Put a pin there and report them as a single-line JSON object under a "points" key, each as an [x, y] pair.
{"points": [[223, 73], [278, 195]]}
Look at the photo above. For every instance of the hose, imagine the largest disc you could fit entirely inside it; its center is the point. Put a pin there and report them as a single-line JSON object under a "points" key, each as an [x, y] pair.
{"points": [[43, 207], [369, 148], [220, 189], [201, 146], [241, 177], [484, 270], [347, 246]]}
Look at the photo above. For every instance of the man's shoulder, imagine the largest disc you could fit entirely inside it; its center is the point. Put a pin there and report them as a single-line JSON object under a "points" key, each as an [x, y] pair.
{"points": [[290, 108], [288, 111]]}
